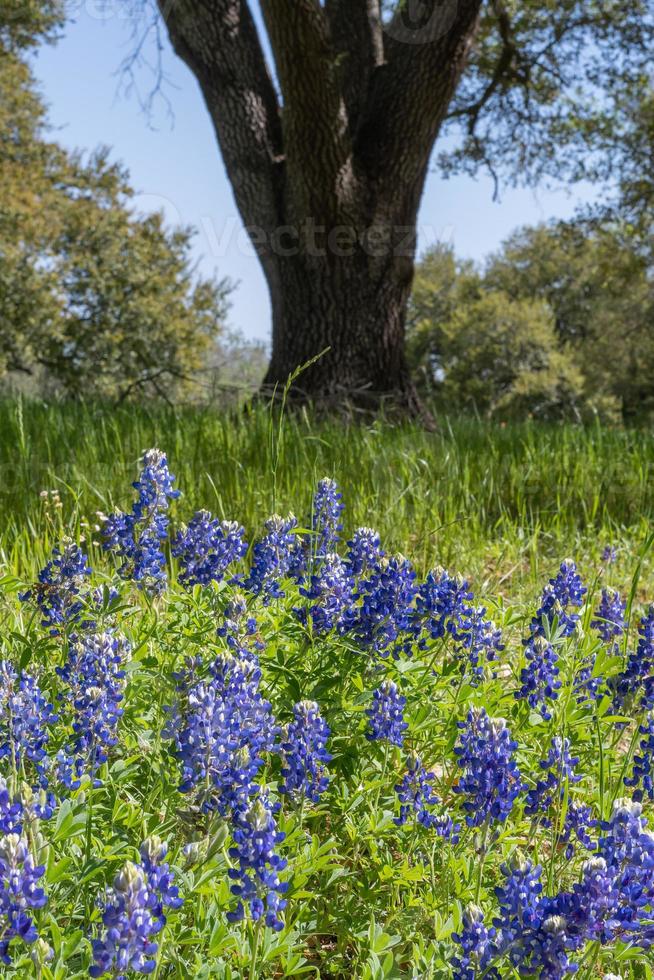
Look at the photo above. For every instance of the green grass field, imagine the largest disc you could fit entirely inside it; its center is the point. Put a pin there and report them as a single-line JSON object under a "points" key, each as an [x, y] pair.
{"points": [[175, 721], [503, 504]]}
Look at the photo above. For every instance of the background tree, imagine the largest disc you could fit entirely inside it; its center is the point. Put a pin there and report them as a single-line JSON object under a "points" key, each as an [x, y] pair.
{"points": [[94, 299], [328, 158], [598, 283], [477, 348], [570, 298]]}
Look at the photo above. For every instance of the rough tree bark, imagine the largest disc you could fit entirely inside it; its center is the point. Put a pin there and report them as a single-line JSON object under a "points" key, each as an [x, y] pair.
{"points": [[328, 173]]}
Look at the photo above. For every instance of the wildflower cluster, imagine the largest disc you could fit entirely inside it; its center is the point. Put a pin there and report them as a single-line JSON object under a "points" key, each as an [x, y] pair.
{"points": [[256, 878], [304, 753], [20, 893], [382, 615], [25, 720], [246, 718], [545, 801], [490, 780], [94, 678], [330, 594], [326, 518], [136, 538], [273, 558], [609, 619], [221, 727], [240, 630], [134, 913], [206, 548], [561, 596], [417, 798], [555, 620], [59, 592], [386, 717]]}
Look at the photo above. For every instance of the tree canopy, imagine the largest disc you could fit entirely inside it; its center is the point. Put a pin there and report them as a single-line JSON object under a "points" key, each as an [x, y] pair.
{"points": [[559, 323], [94, 299]]}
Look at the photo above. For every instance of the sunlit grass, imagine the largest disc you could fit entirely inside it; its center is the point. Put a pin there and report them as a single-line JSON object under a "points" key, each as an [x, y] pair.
{"points": [[504, 503]]}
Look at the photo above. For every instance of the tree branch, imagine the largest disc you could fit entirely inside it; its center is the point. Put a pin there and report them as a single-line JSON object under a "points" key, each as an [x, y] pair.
{"points": [[315, 124], [411, 91], [218, 40], [358, 41]]}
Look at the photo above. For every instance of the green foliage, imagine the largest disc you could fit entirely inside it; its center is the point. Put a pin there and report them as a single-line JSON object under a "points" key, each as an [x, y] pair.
{"points": [[597, 283], [366, 898], [558, 324], [479, 349], [500, 502], [549, 88], [94, 299], [26, 23], [636, 170], [501, 356]]}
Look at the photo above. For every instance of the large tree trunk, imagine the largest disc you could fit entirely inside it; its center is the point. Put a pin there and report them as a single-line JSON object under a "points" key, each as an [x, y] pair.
{"points": [[329, 185], [345, 304]]}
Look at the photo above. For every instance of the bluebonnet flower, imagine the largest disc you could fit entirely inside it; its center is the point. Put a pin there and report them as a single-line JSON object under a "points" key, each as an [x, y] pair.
{"points": [[220, 730], [256, 879], [20, 893], [24, 808], [531, 932], [25, 718], [417, 799], [386, 717], [609, 555], [633, 687], [442, 606], [579, 820], [272, 558], [240, 630], [610, 621], [330, 592], [59, 590], [519, 901], [364, 552], [587, 685], [416, 793], [95, 678], [136, 537], [545, 952], [549, 793], [490, 780], [617, 891], [477, 948], [563, 591], [326, 518], [206, 549], [642, 772], [11, 810], [134, 914], [612, 902], [383, 617], [559, 767], [640, 666], [304, 753], [159, 877], [540, 677], [480, 639]]}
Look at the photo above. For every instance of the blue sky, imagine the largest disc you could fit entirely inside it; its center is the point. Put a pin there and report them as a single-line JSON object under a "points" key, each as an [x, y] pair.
{"points": [[175, 163]]}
